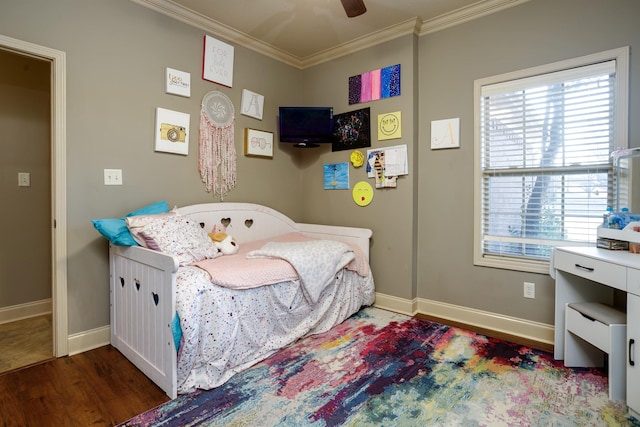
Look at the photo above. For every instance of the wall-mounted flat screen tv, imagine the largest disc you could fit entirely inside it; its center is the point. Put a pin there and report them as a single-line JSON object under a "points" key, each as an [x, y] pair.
{"points": [[306, 126]]}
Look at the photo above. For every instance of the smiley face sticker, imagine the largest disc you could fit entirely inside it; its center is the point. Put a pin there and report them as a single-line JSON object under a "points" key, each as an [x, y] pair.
{"points": [[362, 193], [390, 126]]}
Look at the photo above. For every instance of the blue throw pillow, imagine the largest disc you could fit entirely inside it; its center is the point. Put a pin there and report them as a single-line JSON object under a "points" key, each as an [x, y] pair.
{"points": [[176, 330], [115, 229]]}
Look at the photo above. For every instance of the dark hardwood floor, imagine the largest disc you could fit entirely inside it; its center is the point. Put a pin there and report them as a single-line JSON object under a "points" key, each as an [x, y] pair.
{"points": [[490, 333], [95, 388]]}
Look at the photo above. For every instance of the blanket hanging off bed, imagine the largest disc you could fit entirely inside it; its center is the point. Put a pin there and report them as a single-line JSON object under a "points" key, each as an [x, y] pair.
{"points": [[304, 256]]}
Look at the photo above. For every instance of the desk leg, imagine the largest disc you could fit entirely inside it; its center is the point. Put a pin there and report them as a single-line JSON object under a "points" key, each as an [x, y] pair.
{"points": [[618, 362]]}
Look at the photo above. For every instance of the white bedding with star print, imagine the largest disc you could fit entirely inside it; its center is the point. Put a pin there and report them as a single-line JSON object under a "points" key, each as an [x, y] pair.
{"points": [[225, 331]]}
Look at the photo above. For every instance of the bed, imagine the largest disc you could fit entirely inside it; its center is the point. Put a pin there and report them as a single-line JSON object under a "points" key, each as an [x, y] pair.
{"points": [[185, 332]]}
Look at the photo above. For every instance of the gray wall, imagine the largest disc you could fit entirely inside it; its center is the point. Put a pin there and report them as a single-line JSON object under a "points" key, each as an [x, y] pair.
{"points": [[116, 56], [391, 213], [534, 33]]}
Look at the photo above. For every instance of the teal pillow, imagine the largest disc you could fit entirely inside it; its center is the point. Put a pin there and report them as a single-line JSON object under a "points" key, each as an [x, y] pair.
{"points": [[115, 229], [176, 330]]}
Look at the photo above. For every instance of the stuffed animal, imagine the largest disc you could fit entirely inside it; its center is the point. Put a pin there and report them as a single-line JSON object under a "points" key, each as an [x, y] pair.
{"points": [[224, 243]]}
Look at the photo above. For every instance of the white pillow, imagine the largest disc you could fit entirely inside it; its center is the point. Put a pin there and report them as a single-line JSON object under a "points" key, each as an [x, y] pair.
{"points": [[135, 224], [180, 237]]}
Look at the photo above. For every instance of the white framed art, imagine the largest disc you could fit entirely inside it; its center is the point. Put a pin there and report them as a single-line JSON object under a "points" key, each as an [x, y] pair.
{"points": [[252, 104], [258, 143], [217, 61], [177, 82], [172, 131], [445, 133]]}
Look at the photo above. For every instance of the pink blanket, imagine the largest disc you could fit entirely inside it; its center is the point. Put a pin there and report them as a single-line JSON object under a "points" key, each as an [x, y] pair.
{"points": [[238, 272]]}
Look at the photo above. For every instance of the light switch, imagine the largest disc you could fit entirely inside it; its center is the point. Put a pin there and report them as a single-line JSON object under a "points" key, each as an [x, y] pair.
{"points": [[24, 179], [113, 177]]}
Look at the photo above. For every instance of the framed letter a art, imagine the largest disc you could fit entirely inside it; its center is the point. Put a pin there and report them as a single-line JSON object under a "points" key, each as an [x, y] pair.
{"points": [[252, 104]]}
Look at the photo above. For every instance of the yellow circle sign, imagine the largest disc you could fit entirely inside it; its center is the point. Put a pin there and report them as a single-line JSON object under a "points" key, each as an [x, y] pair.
{"points": [[362, 193]]}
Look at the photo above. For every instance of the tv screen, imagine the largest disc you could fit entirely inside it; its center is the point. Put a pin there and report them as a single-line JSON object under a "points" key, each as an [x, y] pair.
{"points": [[306, 126]]}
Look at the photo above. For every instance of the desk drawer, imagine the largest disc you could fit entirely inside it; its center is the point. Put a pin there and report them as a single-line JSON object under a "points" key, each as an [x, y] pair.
{"points": [[604, 272], [592, 331]]}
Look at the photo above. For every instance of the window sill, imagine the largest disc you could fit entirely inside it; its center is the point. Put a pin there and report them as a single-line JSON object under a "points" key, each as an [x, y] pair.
{"points": [[528, 266]]}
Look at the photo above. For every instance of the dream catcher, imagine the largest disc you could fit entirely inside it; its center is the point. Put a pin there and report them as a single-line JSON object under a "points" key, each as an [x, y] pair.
{"points": [[217, 161]]}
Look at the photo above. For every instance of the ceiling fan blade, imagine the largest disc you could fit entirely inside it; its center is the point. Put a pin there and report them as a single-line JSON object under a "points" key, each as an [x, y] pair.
{"points": [[354, 7]]}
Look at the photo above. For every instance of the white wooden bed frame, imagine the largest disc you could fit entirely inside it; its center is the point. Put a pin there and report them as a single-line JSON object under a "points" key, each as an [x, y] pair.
{"points": [[142, 282]]}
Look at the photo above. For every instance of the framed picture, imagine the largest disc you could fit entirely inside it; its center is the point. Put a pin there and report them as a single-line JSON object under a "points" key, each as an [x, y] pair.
{"points": [[172, 131], [336, 176], [252, 104], [177, 82], [258, 143], [351, 130], [445, 133], [217, 61]]}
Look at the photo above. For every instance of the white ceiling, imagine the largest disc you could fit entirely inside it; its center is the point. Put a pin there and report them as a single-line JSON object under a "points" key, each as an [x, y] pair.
{"points": [[306, 32]]}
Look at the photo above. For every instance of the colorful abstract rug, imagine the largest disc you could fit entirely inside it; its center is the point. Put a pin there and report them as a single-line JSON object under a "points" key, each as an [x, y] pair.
{"points": [[384, 369]]}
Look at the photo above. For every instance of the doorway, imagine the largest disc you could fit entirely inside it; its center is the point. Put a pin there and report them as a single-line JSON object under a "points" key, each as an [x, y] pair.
{"points": [[57, 225], [25, 320]]}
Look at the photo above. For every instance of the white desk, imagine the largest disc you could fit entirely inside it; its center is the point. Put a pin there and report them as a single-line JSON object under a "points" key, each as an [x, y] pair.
{"points": [[591, 274]]}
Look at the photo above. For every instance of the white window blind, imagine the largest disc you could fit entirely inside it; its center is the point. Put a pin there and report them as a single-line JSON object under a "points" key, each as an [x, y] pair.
{"points": [[546, 173]]}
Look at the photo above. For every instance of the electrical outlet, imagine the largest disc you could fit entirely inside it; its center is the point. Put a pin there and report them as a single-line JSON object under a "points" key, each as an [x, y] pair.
{"points": [[113, 177], [529, 290]]}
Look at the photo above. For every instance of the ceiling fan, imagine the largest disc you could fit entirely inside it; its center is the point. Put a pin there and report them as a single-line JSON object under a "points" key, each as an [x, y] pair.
{"points": [[354, 7]]}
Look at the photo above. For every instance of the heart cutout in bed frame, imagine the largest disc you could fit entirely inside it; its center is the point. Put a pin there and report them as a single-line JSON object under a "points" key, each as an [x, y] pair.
{"points": [[225, 222], [248, 223], [156, 298]]}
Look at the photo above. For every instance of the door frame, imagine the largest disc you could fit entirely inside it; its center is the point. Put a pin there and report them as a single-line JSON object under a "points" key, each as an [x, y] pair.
{"points": [[58, 185]]}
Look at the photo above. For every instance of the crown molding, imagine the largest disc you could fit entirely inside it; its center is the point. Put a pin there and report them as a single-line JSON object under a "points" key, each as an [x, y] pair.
{"points": [[197, 20], [466, 14], [411, 26]]}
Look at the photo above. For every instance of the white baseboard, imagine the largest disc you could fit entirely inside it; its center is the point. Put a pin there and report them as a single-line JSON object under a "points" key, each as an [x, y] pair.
{"points": [[88, 340], [523, 328], [396, 304], [25, 311], [94, 338]]}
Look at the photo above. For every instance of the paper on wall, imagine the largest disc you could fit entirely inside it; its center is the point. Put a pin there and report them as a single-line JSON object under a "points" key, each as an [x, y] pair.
{"points": [[395, 157], [386, 164]]}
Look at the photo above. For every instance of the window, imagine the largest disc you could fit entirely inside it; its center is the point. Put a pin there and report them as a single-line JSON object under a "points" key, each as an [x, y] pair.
{"points": [[543, 143]]}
